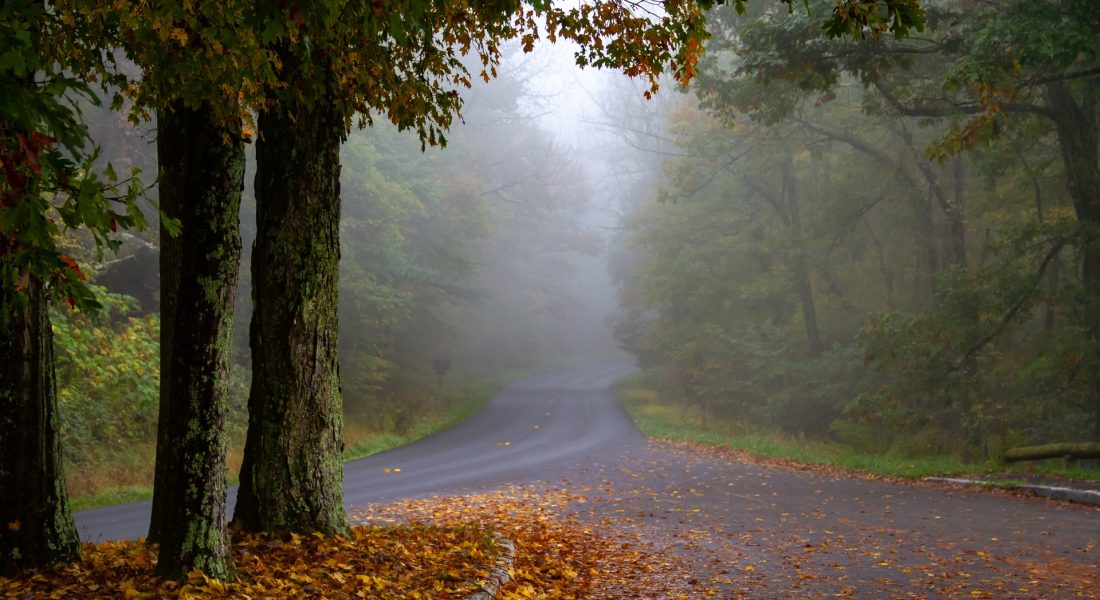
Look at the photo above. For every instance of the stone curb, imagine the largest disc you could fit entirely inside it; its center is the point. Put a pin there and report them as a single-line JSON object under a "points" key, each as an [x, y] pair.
{"points": [[1090, 497], [500, 574]]}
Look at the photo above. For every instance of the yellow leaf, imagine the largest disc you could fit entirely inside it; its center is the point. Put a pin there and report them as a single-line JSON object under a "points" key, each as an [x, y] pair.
{"points": [[180, 35]]}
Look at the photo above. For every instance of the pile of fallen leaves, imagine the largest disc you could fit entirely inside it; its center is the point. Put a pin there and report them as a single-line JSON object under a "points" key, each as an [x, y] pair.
{"points": [[410, 561], [557, 556], [438, 548]]}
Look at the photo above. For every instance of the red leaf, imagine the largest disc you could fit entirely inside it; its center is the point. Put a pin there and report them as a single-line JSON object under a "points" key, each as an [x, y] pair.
{"points": [[72, 266], [30, 153]]}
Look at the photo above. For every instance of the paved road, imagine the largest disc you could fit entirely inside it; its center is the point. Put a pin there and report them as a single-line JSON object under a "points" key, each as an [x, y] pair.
{"points": [[747, 529], [538, 428]]}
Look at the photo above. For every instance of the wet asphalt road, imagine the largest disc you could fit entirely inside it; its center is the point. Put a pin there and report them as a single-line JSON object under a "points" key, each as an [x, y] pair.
{"points": [[744, 528]]}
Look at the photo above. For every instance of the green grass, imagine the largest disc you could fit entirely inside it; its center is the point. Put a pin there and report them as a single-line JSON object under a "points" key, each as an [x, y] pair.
{"points": [[363, 443], [660, 420], [121, 495]]}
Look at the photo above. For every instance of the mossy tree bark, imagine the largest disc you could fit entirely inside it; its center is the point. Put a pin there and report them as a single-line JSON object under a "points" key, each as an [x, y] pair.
{"points": [[292, 474], [202, 175], [36, 525]]}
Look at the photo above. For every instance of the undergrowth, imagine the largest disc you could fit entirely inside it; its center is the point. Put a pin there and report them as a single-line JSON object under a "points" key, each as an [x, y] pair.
{"points": [[660, 418], [125, 474]]}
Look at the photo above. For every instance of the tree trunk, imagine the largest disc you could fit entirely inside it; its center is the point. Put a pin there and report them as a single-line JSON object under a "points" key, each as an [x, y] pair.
{"points": [[202, 166], [1049, 304], [1078, 139], [802, 269], [928, 260], [36, 526], [292, 474], [170, 258], [809, 314], [887, 273], [1070, 449], [955, 212]]}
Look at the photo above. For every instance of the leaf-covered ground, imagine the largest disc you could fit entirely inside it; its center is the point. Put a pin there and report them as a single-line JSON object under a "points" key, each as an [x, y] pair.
{"points": [[557, 554], [397, 555], [411, 561]]}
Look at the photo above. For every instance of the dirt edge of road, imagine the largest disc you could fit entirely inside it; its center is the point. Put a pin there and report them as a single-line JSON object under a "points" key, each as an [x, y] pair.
{"points": [[1045, 488]]}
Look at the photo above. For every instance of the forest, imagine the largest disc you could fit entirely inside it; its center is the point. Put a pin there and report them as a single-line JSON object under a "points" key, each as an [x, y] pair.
{"points": [[242, 243], [890, 245]]}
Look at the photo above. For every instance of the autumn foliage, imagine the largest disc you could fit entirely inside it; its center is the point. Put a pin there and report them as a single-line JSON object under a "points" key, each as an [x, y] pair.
{"points": [[439, 547], [418, 561]]}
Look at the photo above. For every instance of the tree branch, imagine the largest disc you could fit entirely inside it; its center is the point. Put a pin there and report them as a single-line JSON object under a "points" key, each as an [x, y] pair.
{"points": [[1015, 309], [954, 109], [1066, 76]]}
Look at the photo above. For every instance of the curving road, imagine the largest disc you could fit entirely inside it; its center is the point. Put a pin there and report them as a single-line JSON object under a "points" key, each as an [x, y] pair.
{"points": [[742, 528], [540, 428]]}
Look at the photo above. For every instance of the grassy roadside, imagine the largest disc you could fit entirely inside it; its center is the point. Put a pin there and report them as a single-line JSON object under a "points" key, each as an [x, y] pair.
{"points": [[662, 420], [360, 440], [127, 476]]}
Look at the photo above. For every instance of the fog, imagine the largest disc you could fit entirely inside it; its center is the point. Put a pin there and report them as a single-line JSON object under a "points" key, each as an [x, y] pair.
{"points": [[820, 252], [490, 253]]}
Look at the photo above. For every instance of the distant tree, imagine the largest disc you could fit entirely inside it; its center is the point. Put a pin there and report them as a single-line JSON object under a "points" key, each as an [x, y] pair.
{"points": [[409, 227], [983, 71]]}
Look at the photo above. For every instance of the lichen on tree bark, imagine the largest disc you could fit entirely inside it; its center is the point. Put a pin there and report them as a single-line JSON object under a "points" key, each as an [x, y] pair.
{"points": [[36, 525], [292, 474], [202, 164]]}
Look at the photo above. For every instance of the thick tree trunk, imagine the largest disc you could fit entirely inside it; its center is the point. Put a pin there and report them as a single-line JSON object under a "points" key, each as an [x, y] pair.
{"points": [[171, 251], [202, 166], [36, 526], [292, 475], [1079, 141]]}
